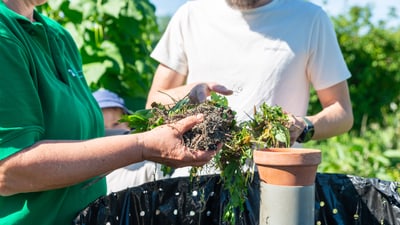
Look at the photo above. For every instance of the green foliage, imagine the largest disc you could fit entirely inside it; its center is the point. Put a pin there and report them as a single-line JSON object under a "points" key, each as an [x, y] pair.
{"points": [[139, 120], [269, 127], [115, 38], [372, 53], [374, 153]]}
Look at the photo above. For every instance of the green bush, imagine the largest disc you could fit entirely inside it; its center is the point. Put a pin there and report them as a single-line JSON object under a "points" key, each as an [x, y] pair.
{"points": [[372, 53], [115, 38], [373, 153]]}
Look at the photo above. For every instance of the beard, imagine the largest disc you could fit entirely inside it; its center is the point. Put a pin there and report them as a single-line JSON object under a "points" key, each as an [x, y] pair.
{"points": [[242, 4]]}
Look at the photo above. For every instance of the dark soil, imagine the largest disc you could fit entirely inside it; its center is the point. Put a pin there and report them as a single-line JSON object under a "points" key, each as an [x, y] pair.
{"points": [[214, 130]]}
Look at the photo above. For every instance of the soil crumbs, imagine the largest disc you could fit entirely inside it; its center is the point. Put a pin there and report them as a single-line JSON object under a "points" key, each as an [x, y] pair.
{"points": [[219, 121]]}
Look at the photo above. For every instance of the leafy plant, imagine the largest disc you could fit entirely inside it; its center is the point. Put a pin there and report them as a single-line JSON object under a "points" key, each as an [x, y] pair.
{"points": [[115, 38], [268, 127], [374, 153]]}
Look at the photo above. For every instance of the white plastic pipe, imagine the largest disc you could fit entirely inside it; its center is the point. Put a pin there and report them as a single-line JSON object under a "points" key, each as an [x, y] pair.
{"points": [[286, 205]]}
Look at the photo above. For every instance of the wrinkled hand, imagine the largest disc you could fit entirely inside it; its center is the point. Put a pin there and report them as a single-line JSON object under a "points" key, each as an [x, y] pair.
{"points": [[164, 144], [296, 127], [200, 92]]}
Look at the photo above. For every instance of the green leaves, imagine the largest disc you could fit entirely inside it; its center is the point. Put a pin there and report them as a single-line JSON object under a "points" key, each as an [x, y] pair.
{"points": [[282, 135], [121, 33], [269, 127], [55, 3], [219, 100], [374, 153], [371, 51], [139, 121], [116, 7]]}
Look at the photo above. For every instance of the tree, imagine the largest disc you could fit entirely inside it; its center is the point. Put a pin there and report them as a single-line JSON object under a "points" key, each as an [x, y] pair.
{"points": [[115, 38]]}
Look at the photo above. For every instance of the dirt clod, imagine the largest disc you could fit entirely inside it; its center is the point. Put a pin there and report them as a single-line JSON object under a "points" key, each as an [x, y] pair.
{"points": [[214, 130]]}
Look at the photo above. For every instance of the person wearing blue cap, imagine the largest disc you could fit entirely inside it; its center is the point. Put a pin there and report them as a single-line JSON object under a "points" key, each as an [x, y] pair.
{"points": [[113, 108]]}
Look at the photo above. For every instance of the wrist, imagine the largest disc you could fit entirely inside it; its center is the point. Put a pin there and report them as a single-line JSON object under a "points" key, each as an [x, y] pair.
{"points": [[308, 131], [140, 146]]}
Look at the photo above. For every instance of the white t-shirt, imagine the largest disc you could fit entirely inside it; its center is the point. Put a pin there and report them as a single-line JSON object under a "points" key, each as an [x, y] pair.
{"points": [[132, 176], [269, 54]]}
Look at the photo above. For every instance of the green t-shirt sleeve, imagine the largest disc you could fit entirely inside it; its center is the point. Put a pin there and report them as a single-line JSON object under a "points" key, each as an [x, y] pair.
{"points": [[21, 119]]}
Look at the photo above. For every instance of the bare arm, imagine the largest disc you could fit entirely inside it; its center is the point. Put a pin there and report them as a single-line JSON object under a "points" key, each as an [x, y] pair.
{"points": [[336, 116], [55, 164], [168, 83]]}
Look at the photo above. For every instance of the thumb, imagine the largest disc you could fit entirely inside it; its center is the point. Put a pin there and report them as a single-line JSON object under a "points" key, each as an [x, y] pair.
{"points": [[189, 122], [220, 89]]}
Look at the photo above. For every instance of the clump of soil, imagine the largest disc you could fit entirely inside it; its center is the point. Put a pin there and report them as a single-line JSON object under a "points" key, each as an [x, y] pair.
{"points": [[216, 128]]}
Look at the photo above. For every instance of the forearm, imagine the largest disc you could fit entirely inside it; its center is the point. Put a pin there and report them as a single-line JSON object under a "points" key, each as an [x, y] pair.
{"points": [[333, 120], [55, 164], [167, 86], [168, 96]]}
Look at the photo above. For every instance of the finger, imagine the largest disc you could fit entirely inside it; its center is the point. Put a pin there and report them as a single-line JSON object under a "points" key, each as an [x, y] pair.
{"points": [[189, 122], [199, 93], [220, 89], [201, 157]]}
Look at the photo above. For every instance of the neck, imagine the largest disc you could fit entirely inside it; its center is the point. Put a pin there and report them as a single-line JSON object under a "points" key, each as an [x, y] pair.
{"points": [[247, 4], [262, 2], [21, 7]]}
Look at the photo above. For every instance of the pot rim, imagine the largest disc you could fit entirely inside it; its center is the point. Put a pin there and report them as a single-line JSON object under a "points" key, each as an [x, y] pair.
{"points": [[287, 156]]}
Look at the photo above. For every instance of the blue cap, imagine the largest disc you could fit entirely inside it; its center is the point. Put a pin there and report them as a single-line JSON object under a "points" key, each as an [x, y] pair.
{"points": [[108, 99]]}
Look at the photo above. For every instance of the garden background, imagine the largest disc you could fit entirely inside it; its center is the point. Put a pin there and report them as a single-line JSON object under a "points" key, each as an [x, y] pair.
{"points": [[115, 38]]}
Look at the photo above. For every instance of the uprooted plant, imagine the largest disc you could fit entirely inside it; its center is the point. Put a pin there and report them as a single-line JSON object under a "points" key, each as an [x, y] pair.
{"points": [[268, 127]]}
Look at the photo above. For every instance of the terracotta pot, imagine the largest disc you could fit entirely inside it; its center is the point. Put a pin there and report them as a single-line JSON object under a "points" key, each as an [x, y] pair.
{"points": [[287, 166]]}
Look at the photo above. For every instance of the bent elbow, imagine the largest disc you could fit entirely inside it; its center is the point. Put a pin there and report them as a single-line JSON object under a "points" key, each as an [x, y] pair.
{"points": [[349, 122], [345, 125]]}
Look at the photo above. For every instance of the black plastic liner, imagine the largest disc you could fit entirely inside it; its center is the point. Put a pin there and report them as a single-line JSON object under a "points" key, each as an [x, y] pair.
{"points": [[339, 200]]}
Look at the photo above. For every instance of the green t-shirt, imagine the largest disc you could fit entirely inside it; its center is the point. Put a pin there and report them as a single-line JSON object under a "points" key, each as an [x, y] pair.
{"points": [[43, 95]]}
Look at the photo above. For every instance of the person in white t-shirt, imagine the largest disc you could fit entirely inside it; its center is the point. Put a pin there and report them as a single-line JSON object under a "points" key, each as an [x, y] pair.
{"points": [[269, 51]]}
